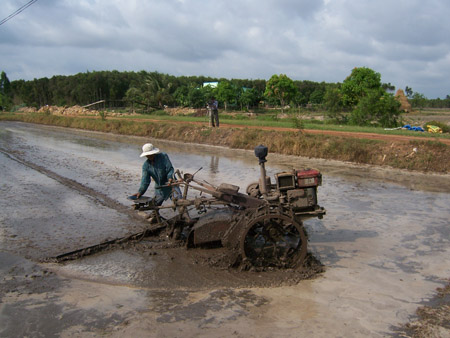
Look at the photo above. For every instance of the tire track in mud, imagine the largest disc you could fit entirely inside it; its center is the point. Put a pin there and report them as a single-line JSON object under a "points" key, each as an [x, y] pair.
{"points": [[98, 197]]}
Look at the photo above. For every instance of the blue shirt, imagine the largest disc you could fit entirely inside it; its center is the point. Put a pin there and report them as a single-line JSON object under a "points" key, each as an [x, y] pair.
{"points": [[161, 170]]}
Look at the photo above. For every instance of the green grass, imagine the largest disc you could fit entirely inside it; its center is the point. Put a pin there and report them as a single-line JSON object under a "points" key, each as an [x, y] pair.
{"points": [[268, 121]]}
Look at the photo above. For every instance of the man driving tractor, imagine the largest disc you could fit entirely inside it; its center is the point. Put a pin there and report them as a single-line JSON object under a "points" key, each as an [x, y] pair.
{"points": [[158, 167]]}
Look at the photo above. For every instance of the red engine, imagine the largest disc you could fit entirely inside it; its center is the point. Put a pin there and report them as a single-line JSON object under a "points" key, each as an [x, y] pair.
{"points": [[308, 178]]}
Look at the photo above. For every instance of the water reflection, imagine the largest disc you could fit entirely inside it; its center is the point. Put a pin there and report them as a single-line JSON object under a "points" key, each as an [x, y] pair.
{"points": [[214, 165]]}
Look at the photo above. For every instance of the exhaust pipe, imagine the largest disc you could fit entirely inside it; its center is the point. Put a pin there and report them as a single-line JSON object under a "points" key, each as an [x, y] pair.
{"points": [[261, 152]]}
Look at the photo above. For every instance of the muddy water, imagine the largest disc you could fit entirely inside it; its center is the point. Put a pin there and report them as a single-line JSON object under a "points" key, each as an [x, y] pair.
{"points": [[384, 243]]}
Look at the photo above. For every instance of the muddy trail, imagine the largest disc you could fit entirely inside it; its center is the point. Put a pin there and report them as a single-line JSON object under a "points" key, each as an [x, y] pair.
{"points": [[379, 253]]}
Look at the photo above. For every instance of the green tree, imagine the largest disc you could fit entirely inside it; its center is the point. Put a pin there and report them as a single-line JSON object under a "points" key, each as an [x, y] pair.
{"points": [[418, 100], [133, 97], [409, 92], [333, 104], [371, 104], [358, 84], [226, 92], [196, 97], [42, 92], [5, 92], [281, 89], [207, 92], [181, 96], [5, 85], [316, 96], [157, 94], [388, 87], [376, 108], [249, 97], [309, 92], [2, 101]]}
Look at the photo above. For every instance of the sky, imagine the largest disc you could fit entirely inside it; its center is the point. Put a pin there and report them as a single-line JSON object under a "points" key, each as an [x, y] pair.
{"points": [[407, 42]]}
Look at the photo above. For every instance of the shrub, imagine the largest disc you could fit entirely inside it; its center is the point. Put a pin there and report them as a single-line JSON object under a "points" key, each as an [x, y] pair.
{"points": [[445, 128], [298, 123], [18, 107], [102, 115]]}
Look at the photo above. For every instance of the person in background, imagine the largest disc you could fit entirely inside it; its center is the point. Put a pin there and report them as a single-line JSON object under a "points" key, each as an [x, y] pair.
{"points": [[158, 167], [213, 111]]}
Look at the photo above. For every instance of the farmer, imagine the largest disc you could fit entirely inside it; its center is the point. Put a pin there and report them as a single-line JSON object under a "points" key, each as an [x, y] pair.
{"points": [[213, 106], [158, 167]]}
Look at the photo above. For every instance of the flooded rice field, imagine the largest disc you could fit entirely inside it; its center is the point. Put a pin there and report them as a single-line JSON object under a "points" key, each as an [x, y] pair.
{"points": [[384, 246]]}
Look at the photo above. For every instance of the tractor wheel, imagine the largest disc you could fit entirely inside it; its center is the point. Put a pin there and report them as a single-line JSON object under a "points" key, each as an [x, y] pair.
{"points": [[273, 240]]}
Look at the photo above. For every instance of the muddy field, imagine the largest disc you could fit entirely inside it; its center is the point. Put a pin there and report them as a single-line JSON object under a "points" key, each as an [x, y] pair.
{"points": [[384, 246]]}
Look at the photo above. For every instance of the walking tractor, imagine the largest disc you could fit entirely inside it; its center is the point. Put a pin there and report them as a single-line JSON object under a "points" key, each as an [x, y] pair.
{"points": [[261, 228]]}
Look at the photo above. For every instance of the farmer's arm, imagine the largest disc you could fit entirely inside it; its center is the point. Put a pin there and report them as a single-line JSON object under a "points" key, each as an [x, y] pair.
{"points": [[145, 180], [169, 168]]}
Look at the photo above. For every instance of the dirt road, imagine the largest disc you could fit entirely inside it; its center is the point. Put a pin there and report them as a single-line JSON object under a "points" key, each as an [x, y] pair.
{"points": [[384, 244]]}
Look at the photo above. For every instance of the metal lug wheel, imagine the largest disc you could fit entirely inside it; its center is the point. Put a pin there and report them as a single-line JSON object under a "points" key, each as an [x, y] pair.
{"points": [[274, 240]]}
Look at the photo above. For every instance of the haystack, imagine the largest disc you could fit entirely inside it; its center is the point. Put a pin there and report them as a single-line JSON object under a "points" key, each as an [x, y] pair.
{"points": [[404, 104]]}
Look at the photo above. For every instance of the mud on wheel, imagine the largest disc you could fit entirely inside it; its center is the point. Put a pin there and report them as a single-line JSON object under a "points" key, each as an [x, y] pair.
{"points": [[273, 239]]}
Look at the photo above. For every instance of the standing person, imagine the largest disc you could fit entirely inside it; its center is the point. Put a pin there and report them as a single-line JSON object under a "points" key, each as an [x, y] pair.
{"points": [[158, 167], [213, 106]]}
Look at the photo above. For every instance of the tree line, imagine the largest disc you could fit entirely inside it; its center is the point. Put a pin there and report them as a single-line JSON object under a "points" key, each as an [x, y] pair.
{"points": [[147, 89], [360, 99]]}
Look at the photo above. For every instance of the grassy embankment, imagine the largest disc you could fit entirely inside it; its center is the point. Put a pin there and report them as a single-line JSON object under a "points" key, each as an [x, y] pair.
{"points": [[429, 155], [268, 121]]}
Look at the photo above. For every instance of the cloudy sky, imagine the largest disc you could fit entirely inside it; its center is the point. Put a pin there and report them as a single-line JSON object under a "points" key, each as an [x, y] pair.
{"points": [[407, 42]]}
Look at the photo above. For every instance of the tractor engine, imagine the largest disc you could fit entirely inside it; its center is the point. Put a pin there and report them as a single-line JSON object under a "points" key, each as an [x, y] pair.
{"points": [[298, 188], [295, 190]]}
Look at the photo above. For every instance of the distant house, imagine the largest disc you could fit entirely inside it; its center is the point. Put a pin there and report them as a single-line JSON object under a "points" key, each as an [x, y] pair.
{"points": [[211, 84]]}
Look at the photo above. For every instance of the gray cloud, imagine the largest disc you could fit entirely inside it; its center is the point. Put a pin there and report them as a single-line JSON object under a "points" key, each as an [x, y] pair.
{"points": [[405, 41]]}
